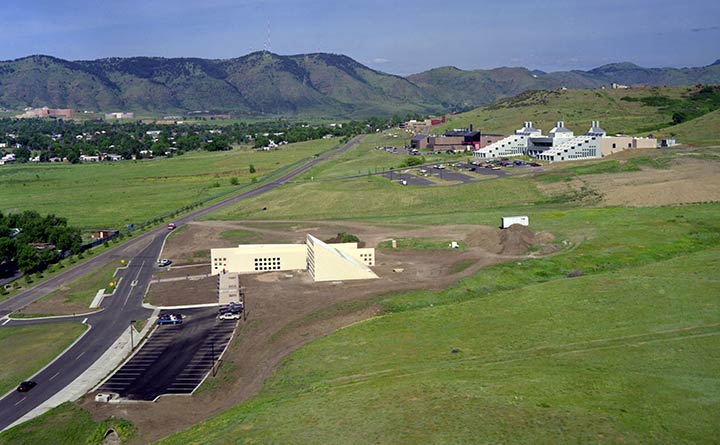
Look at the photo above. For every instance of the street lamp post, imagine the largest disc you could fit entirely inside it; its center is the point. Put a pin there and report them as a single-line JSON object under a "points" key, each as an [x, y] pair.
{"points": [[132, 345]]}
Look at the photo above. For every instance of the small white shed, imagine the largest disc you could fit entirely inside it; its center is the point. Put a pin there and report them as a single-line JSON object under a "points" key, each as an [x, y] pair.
{"points": [[508, 221]]}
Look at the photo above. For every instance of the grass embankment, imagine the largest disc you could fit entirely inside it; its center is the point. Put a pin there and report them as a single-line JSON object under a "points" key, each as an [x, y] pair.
{"points": [[626, 353], [636, 111], [26, 349], [68, 424], [75, 298], [117, 193]]}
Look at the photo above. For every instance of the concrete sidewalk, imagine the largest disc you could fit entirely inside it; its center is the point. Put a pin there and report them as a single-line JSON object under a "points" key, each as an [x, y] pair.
{"points": [[187, 277], [111, 359]]}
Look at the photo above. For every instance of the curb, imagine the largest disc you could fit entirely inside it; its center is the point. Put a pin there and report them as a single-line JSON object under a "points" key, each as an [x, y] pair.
{"points": [[54, 317]]}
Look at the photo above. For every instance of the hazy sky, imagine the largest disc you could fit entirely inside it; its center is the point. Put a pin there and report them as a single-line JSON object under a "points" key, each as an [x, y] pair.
{"points": [[400, 37]]}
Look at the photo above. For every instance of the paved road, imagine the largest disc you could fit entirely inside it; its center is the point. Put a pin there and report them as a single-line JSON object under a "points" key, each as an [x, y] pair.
{"points": [[119, 310], [175, 358], [410, 179]]}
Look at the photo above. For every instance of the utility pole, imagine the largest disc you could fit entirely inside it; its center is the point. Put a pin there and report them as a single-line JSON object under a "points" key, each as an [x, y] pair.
{"points": [[132, 345]]}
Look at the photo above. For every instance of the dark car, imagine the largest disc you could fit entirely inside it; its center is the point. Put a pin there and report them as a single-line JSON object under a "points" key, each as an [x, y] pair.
{"points": [[232, 308], [26, 386], [169, 319], [536, 164]]}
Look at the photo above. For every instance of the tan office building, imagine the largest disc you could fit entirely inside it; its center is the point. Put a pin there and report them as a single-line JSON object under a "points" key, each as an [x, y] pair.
{"points": [[324, 262]]}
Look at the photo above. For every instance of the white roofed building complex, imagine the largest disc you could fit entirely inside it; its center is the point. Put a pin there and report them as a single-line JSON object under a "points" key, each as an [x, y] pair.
{"points": [[561, 144]]}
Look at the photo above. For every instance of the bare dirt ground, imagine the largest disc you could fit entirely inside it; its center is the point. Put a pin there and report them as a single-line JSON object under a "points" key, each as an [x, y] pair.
{"points": [[287, 309], [686, 181]]}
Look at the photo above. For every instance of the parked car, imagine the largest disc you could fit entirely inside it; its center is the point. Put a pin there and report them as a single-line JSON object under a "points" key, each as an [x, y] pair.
{"points": [[26, 386], [169, 319], [231, 308], [229, 316], [164, 262], [472, 169], [535, 164]]}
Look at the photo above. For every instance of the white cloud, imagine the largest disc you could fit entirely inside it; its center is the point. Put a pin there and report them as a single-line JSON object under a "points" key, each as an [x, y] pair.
{"points": [[379, 60]]}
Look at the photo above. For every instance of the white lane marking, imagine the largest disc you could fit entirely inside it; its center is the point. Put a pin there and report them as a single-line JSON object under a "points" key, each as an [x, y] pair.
{"points": [[55, 375], [84, 320], [20, 401], [6, 322], [81, 354], [135, 280]]}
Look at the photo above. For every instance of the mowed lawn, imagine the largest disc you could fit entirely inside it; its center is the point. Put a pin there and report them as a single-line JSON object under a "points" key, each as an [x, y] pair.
{"points": [[115, 194], [25, 350], [628, 356]]}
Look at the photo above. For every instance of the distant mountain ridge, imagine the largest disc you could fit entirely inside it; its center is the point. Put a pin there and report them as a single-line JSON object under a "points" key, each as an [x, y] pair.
{"points": [[318, 84]]}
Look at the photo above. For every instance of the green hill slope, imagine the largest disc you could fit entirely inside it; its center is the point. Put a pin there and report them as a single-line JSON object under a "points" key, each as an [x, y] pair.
{"points": [[628, 353], [704, 130], [636, 111]]}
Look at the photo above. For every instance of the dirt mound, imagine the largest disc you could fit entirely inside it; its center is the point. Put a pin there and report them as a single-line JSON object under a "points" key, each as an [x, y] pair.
{"points": [[487, 238], [544, 238], [345, 238], [516, 239]]}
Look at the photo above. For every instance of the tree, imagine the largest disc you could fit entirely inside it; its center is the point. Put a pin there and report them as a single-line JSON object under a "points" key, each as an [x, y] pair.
{"points": [[7, 249], [252, 169], [27, 258]]}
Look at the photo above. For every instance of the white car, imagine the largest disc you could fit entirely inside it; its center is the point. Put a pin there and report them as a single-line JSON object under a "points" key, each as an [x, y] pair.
{"points": [[164, 262], [229, 316]]}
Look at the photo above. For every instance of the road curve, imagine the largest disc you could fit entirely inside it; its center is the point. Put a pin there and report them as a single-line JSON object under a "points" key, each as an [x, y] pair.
{"points": [[119, 310]]}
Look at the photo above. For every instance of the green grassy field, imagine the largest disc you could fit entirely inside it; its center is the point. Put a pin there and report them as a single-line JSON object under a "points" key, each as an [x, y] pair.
{"points": [[366, 158], [67, 424], [75, 297], [114, 194], [25, 350], [420, 244], [576, 107], [375, 198], [626, 353]]}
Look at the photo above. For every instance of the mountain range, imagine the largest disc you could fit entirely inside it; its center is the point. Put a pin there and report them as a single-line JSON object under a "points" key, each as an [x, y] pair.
{"points": [[317, 85]]}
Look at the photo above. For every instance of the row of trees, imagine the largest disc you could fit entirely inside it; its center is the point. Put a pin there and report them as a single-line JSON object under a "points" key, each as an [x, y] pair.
{"points": [[16, 249], [69, 139]]}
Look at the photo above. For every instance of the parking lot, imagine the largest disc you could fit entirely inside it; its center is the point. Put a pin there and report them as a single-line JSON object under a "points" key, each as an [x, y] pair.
{"points": [[175, 358]]}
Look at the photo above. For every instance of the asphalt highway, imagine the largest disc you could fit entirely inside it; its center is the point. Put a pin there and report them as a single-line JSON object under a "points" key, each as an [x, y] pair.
{"points": [[118, 311]]}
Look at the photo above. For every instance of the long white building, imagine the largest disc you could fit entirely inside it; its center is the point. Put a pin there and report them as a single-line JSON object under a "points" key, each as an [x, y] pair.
{"points": [[561, 144], [324, 262]]}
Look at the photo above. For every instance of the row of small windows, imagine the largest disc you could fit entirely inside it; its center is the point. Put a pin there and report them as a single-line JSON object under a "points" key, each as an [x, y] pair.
{"points": [[260, 268], [260, 260]]}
